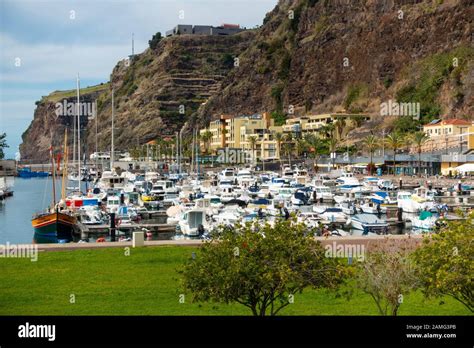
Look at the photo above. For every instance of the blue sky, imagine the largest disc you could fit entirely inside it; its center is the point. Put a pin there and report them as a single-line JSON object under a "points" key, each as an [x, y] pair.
{"points": [[53, 44]]}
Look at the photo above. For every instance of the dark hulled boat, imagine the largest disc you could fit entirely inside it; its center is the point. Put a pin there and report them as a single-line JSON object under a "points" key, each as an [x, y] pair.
{"points": [[53, 227]]}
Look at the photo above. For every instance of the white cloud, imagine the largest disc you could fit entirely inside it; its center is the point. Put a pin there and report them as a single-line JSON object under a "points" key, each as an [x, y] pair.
{"points": [[48, 62]]}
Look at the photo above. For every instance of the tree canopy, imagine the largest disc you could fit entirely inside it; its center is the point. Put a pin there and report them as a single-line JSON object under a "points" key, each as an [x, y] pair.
{"points": [[260, 266], [446, 262]]}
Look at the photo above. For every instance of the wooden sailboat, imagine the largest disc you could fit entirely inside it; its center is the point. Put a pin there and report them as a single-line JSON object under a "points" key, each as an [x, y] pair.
{"points": [[56, 225]]}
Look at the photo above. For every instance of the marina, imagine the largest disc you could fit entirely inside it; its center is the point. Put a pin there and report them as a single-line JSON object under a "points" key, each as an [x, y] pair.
{"points": [[181, 206]]}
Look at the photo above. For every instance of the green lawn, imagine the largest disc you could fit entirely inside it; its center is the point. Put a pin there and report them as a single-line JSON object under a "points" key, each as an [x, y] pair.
{"points": [[106, 282]]}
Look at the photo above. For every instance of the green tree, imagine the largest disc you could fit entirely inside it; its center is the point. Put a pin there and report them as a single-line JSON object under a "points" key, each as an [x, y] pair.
{"points": [[288, 146], [446, 262], [371, 144], [317, 147], [301, 146], [327, 130], [278, 136], [387, 275], [332, 144], [206, 138], [340, 126], [3, 145], [394, 141], [260, 266], [252, 142], [358, 120], [419, 139], [155, 40]]}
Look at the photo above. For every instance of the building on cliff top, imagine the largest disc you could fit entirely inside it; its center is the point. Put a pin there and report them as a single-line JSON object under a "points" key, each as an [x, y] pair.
{"points": [[188, 29]]}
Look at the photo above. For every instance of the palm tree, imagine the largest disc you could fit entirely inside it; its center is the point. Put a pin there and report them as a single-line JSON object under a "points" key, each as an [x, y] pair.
{"points": [[316, 145], [419, 139], [206, 137], [288, 144], [301, 146], [278, 136], [340, 126], [371, 144], [394, 141], [332, 148], [327, 130], [252, 141]]}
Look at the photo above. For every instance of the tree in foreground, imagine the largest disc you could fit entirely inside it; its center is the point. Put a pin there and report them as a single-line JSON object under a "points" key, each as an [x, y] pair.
{"points": [[446, 262], [260, 266], [387, 274]]}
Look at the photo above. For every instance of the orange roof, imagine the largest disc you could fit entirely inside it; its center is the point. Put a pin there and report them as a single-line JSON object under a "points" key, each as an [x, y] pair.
{"points": [[453, 122], [151, 142]]}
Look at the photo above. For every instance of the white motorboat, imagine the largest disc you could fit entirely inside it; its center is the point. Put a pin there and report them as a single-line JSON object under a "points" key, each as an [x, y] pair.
{"points": [[299, 198], [425, 221], [227, 174], [331, 214], [194, 222], [414, 203], [369, 223], [371, 207], [310, 219], [111, 180], [323, 193], [347, 208], [113, 204], [347, 181], [288, 173], [285, 193], [370, 183]]}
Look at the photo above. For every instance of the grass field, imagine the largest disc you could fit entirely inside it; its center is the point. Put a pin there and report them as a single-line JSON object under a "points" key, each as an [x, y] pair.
{"points": [[106, 282]]}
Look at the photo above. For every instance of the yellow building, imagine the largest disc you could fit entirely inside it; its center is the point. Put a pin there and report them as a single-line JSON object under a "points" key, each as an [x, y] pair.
{"points": [[311, 123], [446, 134], [234, 132]]}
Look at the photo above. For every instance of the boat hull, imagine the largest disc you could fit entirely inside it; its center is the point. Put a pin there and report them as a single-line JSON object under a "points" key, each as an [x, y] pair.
{"points": [[53, 227]]}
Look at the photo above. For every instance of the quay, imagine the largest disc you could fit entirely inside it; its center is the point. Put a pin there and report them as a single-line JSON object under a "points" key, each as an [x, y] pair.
{"points": [[367, 242]]}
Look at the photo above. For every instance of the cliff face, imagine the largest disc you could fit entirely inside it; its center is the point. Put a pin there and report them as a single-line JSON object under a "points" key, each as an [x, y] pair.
{"points": [[154, 94], [329, 55], [309, 55]]}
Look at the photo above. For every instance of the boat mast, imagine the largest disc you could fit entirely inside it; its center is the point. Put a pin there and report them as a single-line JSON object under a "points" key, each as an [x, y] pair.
{"points": [[96, 139], [74, 142], [78, 138], [192, 155], [65, 164], [112, 145], [177, 152], [53, 175]]}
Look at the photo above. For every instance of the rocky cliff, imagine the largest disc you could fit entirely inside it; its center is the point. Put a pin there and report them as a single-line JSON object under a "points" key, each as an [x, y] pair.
{"points": [[308, 56], [320, 56], [155, 94]]}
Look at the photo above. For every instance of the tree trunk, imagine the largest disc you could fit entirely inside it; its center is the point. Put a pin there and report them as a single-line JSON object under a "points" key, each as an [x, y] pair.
{"points": [[394, 161], [370, 164], [419, 162]]}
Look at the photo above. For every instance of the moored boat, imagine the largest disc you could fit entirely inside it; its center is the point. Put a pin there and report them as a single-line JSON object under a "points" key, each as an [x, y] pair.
{"points": [[53, 227]]}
